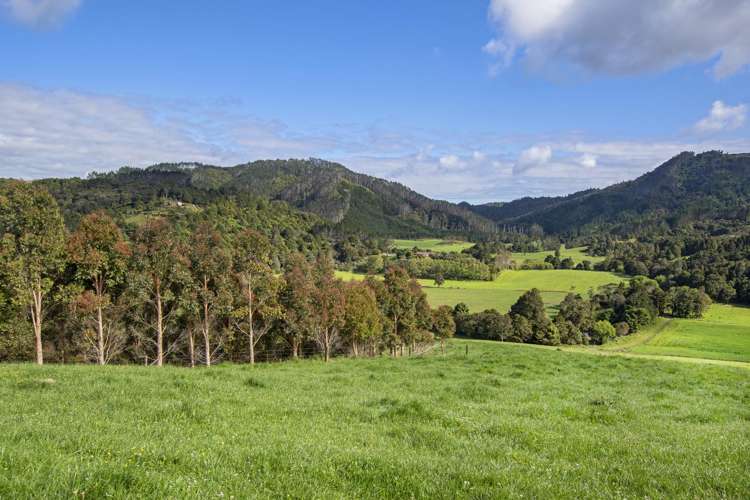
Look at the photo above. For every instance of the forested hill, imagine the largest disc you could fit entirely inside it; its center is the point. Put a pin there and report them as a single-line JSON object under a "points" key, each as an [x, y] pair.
{"points": [[689, 188], [351, 201], [505, 212]]}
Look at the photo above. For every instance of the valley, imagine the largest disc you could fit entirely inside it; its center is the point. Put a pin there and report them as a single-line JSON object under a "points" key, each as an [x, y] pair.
{"points": [[502, 292], [423, 250]]}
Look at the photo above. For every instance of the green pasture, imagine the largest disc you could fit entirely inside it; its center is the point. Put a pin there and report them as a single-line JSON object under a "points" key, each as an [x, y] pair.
{"points": [[432, 245], [723, 333], [578, 254], [506, 421], [501, 293]]}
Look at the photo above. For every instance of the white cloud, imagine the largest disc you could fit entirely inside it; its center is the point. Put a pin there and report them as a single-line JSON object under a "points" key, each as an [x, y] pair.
{"points": [[55, 133], [587, 160], [535, 155], [451, 161], [722, 117], [40, 13], [624, 36], [63, 133]]}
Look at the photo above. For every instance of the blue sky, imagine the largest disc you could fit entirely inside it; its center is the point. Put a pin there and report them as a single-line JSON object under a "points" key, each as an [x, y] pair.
{"points": [[462, 100]]}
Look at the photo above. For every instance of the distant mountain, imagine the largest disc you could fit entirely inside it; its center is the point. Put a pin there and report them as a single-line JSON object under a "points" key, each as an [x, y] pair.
{"points": [[688, 188], [348, 200], [503, 212]]}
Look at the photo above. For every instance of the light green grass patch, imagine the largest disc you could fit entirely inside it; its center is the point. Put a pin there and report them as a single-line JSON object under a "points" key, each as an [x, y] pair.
{"points": [[433, 245], [578, 254], [724, 333], [501, 293]]}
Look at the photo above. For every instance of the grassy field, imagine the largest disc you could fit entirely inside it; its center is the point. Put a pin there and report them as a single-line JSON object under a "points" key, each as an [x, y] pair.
{"points": [[505, 290], [433, 245], [723, 333], [505, 422], [578, 254]]}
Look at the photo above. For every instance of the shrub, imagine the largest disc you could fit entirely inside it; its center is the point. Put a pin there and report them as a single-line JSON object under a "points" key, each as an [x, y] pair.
{"points": [[603, 332]]}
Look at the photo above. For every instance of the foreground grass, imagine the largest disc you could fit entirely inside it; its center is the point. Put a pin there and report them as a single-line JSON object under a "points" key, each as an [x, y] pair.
{"points": [[723, 334], [506, 421], [505, 290], [433, 245]]}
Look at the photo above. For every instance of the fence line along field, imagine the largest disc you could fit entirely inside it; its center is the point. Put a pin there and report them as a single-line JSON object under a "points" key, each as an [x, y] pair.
{"points": [[501, 293], [723, 333], [505, 421]]}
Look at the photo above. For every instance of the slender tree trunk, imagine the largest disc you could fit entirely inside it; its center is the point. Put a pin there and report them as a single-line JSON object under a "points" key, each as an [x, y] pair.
{"points": [[295, 348], [99, 285], [100, 334], [159, 327], [191, 347], [206, 323], [207, 343], [442, 346], [250, 320], [327, 346], [36, 322]]}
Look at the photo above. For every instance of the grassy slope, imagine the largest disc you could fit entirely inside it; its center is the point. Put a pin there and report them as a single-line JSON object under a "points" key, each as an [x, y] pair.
{"points": [[578, 254], [432, 245], [723, 333], [507, 421], [505, 290]]}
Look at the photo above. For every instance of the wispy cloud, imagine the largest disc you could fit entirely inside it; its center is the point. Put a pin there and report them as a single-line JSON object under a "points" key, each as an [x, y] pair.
{"points": [[722, 117], [622, 36], [40, 13]]}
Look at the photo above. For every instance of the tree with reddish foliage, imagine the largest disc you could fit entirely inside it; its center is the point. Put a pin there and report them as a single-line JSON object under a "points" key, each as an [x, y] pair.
{"points": [[100, 254]]}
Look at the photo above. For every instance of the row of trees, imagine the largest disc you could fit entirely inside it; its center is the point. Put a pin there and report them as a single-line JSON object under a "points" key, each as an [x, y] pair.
{"points": [[718, 264], [189, 290], [615, 310], [455, 266]]}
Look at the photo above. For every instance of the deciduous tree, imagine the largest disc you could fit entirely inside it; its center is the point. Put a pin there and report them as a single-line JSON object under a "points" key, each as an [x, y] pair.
{"points": [[328, 302], [258, 285], [160, 263], [210, 262], [32, 249], [362, 319], [443, 325], [100, 254]]}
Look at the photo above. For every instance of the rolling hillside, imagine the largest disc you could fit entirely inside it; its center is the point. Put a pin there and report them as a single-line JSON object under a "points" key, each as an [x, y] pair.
{"points": [[687, 188], [350, 201]]}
